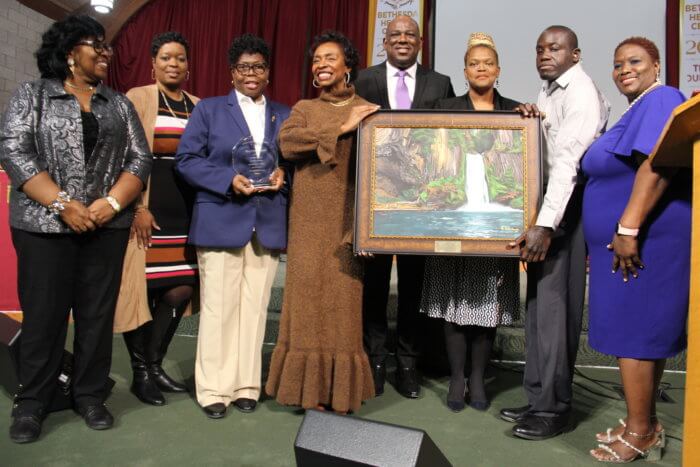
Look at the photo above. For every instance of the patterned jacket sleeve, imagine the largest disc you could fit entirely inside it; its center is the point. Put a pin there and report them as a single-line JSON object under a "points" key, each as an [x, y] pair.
{"points": [[139, 158], [18, 151]]}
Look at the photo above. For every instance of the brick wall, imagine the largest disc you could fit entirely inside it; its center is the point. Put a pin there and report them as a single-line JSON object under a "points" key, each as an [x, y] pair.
{"points": [[20, 35]]}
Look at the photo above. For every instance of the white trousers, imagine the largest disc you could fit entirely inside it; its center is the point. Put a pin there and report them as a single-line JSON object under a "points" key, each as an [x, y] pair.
{"points": [[235, 287]]}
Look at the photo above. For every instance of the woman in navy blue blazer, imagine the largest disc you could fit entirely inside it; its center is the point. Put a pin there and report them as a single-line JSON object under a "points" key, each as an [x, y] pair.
{"points": [[237, 228]]}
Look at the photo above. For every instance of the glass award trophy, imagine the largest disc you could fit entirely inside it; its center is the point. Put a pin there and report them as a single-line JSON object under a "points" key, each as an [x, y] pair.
{"points": [[255, 166]]}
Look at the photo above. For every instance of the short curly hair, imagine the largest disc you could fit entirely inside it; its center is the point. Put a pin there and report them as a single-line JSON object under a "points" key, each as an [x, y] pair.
{"points": [[352, 56], [644, 43], [57, 42], [159, 40], [248, 44]]}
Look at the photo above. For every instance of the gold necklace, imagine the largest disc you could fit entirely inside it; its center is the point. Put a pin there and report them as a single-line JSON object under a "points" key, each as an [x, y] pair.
{"points": [[167, 104], [342, 103], [636, 99], [71, 85]]}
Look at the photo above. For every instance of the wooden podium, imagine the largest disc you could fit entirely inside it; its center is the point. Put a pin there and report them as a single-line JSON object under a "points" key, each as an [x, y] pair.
{"points": [[679, 146]]}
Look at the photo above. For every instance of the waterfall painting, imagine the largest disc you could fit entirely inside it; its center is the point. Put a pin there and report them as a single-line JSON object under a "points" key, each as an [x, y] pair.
{"points": [[463, 182]]}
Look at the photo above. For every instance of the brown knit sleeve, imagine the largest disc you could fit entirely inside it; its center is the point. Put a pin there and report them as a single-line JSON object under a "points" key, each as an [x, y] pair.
{"points": [[299, 141]]}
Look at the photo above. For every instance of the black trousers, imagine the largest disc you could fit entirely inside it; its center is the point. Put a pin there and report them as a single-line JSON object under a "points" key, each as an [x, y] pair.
{"points": [[555, 295], [375, 298], [56, 274]]}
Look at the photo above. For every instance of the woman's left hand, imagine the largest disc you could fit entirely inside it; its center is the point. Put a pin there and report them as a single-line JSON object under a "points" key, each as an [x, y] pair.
{"points": [[276, 181], [365, 254], [625, 256], [102, 212]]}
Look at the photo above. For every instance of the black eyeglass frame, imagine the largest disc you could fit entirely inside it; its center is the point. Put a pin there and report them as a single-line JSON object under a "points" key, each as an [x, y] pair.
{"points": [[98, 46], [245, 68]]}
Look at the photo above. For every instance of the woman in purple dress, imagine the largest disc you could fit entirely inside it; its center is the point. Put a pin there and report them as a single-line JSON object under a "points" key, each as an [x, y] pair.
{"points": [[636, 219]]}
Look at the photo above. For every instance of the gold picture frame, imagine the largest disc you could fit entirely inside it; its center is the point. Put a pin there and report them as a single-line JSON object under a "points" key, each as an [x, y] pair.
{"points": [[446, 182]]}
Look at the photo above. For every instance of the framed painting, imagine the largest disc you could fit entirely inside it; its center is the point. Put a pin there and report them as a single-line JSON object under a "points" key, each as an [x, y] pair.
{"points": [[446, 182]]}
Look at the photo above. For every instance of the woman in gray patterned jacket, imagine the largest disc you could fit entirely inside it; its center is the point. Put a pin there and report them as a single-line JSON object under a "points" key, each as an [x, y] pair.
{"points": [[77, 157]]}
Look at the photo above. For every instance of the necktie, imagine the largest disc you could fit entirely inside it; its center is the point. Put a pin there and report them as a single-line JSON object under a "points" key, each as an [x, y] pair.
{"points": [[403, 100]]}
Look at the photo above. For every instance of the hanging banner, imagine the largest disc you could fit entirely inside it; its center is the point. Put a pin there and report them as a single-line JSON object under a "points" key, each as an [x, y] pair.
{"points": [[689, 50], [381, 12]]}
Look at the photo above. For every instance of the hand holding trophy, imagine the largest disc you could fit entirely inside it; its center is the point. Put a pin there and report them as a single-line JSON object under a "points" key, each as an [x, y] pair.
{"points": [[256, 167]]}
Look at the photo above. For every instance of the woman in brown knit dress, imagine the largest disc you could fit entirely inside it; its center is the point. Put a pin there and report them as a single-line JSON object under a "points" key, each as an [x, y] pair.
{"points": [[319, 359]]}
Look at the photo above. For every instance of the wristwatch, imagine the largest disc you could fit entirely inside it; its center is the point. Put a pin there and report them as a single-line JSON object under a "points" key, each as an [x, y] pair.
{"points": [[114, 203], [620, 230]]}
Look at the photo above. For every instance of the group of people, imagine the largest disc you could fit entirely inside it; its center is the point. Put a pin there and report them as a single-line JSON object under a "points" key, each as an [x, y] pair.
{"points": [[123, 202]]}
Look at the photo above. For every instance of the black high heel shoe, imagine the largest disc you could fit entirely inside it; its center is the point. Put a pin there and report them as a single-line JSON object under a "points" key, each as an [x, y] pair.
{"points": [[480, 405]]}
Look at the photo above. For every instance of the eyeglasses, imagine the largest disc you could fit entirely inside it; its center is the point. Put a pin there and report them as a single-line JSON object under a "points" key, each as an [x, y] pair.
{"points": [[98, 46], [244, 68]]}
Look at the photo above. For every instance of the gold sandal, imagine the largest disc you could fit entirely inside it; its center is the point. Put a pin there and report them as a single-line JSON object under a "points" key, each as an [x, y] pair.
{"points": [[608, 438], [652, 453]]}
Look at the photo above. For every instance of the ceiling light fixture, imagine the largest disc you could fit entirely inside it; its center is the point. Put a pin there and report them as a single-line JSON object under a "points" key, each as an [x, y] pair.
{"points": [[102, 6]]}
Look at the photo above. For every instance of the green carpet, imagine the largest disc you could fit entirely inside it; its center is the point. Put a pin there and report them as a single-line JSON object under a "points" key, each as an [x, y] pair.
{"points": [[509, 345], [180, 434]]}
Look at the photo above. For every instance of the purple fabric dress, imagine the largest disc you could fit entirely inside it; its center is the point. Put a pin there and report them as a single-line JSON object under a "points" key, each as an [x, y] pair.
{"points": [[646, 317]]}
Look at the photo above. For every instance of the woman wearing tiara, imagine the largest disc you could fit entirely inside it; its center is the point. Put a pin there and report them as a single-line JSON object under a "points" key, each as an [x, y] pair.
{"points": [[472, 294]]}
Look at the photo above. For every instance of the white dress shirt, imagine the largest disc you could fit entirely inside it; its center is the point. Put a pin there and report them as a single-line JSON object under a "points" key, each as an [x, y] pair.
{"points": [[576, 113], [392, 79], [254, 114]]}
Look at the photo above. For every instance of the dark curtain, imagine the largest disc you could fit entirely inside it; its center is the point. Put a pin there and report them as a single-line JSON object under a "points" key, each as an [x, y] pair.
{"points": [[428, 30], [351, 17], [672, 39], [210, 25]]}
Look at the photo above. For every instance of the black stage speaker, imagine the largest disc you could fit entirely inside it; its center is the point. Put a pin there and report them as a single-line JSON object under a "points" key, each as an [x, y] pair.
{"points": [[10, 334], [330, 440]]}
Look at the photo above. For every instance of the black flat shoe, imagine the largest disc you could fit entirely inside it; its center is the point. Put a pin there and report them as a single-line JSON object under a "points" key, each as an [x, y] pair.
{"points": [[515, 414], [96, 416], [407, 383], [164, 382], [537, 428], [379, 377], [456, 405], [245, 405], [26, 426], [217, 410]]}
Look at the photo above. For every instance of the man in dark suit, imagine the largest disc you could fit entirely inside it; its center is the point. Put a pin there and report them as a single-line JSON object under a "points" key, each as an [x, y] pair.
{"points": [[398, 83]]}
